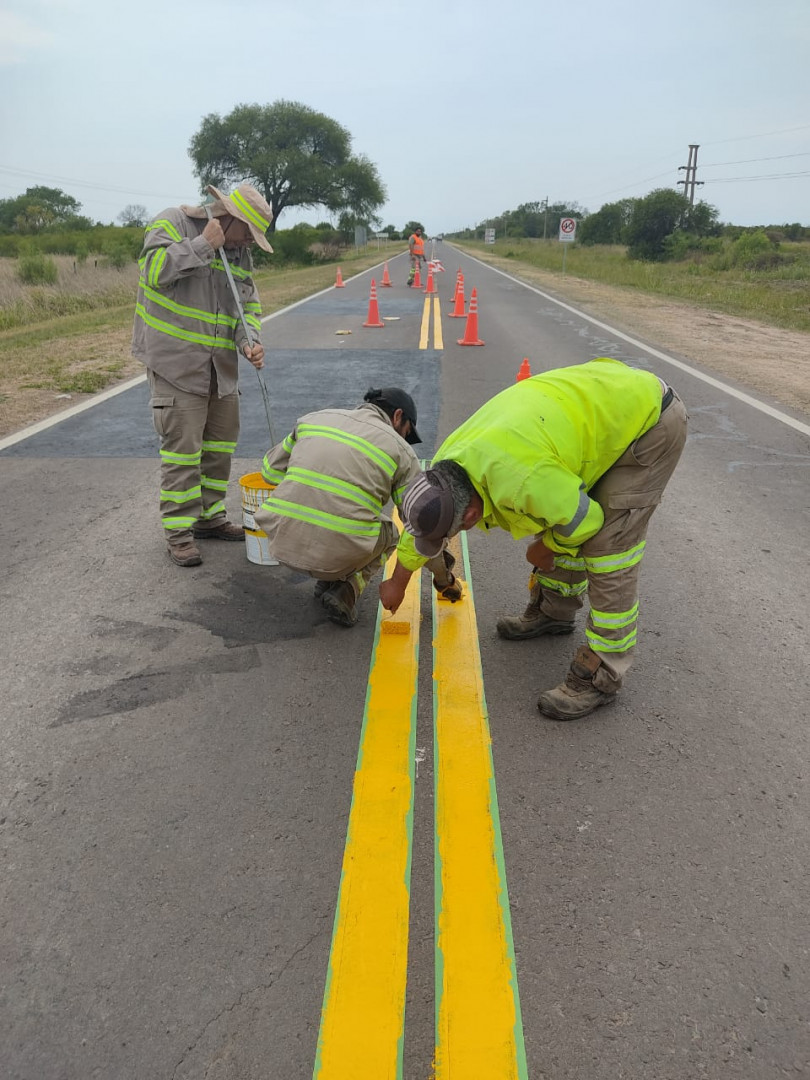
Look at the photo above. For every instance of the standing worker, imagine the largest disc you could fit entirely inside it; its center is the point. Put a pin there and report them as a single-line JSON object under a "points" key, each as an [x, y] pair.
{"points": [[416, 246], [333, 475], [189, 335], [578, 458]]}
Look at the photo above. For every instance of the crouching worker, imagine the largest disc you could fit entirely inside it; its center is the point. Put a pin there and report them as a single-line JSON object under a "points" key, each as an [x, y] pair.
{"points": [[576, 458], [334, 473]]}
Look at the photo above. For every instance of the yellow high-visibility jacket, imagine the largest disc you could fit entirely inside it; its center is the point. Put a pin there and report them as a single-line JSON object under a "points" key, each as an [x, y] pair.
{"points": [[534, 451]]}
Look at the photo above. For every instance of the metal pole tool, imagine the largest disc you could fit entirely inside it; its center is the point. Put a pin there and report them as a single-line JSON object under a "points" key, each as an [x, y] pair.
{"points": [[240, 310]]}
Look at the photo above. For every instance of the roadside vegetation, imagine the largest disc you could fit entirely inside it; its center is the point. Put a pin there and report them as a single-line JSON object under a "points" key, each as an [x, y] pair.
{"points": [[722, 280]]}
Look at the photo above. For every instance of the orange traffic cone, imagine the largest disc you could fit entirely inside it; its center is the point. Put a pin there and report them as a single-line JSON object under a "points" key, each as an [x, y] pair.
{"points": [[458, 300], [430, 287], [417, 279], [471, 329], [339, 281], [386, 280], [525, 371], [373, 311]]}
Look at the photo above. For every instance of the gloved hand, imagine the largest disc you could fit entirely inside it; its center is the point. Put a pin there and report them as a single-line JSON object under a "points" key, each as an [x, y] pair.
{"points": [[450, 587], [452, 591]]}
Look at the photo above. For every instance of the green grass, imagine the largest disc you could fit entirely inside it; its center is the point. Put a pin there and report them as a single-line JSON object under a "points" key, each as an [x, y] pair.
{"points": [[779, 297]]}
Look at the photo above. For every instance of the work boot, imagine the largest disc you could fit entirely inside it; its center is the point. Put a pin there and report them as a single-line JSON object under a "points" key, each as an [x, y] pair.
{"points": [[340, 601], [577, 696], [532, 623], [226, 531], [185, 554], [321, 587]]}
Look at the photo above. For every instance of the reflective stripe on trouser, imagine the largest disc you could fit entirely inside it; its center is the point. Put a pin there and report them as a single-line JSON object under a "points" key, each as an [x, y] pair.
{"points": [[197, 442], [608, 564]]}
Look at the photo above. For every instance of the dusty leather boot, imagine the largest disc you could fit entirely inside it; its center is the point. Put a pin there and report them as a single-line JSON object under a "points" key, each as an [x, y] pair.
{"points": [[185, 554], [578, 695], [532, 623], [340, 600], [226, 530]]}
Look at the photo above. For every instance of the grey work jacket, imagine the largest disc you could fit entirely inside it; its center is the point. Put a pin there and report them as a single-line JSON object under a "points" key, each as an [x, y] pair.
{"points": [[334, 472], [186, 319]]}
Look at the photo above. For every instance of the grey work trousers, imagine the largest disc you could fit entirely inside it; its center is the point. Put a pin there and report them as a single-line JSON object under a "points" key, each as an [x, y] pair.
{"points": [[197, 442], [608, 564]]}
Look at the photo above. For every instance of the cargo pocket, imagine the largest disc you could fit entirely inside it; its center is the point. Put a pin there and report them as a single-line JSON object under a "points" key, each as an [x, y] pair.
{"points": [[633, 500], [159, 406]]}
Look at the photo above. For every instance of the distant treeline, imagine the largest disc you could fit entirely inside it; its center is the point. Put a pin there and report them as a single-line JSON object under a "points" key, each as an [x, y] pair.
{"points": [[660, 226]]}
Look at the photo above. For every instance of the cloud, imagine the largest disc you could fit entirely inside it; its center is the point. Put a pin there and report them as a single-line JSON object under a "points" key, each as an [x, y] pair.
{"points": [[19, 38]]}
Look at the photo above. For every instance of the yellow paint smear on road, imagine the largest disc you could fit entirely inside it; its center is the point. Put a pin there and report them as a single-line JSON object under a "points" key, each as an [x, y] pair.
{"points": [[363, 1015], [479, 1031]]}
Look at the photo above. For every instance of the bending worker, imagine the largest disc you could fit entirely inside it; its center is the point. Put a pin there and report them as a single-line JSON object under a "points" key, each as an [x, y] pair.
{"points": [[189, 335], [576, 458], [416, 247], [334, 473]]}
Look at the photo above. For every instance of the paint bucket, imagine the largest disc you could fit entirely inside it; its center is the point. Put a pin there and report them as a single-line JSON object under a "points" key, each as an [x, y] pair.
{"points": [[255, 490]]}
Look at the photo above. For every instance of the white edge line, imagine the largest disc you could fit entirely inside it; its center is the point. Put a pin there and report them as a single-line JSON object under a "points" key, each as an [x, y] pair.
{"points": [[760, 405], [105, 395], [74, 410]]}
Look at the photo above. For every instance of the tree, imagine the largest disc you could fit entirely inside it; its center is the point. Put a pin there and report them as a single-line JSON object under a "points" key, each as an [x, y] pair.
{"points": [[39, 208], [608, 224], [410, 228], [653, 219], [294, 155], [135, 215]]}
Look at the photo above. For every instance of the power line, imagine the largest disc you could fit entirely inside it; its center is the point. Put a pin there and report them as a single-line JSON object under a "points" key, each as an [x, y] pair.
{"points": [[750, 161], [764, 135], [52, 177], [765, 176]]}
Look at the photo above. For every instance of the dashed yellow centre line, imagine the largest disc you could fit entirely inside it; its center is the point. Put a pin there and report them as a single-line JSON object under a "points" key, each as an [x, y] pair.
{"points": [[363, 1015], [479, 1030]]}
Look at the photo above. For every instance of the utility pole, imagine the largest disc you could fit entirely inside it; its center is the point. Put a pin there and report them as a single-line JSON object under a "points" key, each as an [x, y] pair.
{"points": [[690, 183], [545, 217]]}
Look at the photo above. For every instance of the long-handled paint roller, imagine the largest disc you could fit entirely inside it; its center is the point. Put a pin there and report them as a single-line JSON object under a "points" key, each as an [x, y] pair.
{"points": [[240, 311]]}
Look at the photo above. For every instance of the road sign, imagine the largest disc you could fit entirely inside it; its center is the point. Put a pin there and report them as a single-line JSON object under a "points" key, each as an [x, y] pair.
{"points": [[489, 236], [568, 230]]}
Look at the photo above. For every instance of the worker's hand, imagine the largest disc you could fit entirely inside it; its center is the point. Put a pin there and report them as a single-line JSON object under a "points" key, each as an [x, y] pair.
{"points": [[452, 591], [213, 233], [255, 354], [392, 593], [539, 555]]}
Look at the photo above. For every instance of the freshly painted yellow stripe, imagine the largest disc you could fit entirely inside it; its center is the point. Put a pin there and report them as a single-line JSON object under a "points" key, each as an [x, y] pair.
{"points": [[363, 1016], [438, 340], [423, 339], [479, 1030]]}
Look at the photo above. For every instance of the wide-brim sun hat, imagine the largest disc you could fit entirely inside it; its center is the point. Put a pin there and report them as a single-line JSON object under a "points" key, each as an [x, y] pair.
{"points": [[248, 205]]}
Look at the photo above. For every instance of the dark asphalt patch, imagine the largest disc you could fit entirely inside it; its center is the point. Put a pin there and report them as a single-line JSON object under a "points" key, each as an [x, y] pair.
{"points": [[298, 381]]}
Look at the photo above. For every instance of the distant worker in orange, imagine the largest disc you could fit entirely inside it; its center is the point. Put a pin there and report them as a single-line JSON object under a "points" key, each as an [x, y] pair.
{"points": [[416, 246]]}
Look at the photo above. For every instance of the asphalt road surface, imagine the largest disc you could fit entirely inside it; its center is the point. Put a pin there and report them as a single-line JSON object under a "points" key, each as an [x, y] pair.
{"points": [[179, 745]]}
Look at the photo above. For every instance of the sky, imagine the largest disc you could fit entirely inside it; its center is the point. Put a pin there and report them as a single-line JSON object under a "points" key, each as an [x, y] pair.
{"points": [[466, 108]]}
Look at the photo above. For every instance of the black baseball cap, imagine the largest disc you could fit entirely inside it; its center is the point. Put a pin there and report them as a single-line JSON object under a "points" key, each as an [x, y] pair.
{"points": [[396, 398]]}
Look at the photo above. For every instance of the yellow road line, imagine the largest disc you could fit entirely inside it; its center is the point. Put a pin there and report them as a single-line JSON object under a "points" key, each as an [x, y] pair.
{"points": [[423, 337], [363, 1016], [438, 340], [479, 1030]]}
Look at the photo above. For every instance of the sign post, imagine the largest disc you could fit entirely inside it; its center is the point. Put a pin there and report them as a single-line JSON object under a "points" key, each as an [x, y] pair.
{"points": [[568, 233]]}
